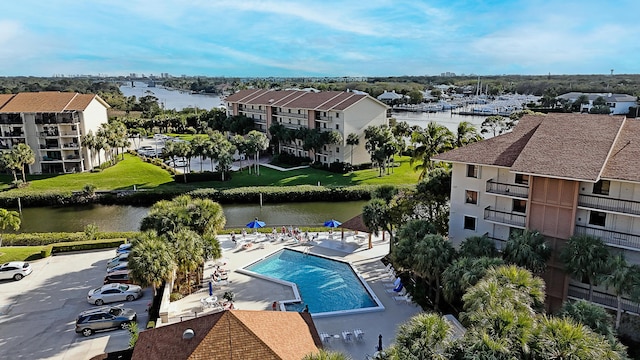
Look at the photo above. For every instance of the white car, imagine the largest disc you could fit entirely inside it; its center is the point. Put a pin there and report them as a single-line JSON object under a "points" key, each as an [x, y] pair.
{"points": [[114, 293], [119, 266], [15, 270], [118, 259]]}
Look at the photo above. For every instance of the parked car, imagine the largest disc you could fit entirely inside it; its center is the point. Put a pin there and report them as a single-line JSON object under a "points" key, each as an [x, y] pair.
{"points": [[120, 276], [15, 270], [120, 266], [114, 293], [118, 259], [104, 318], [124, 248]]}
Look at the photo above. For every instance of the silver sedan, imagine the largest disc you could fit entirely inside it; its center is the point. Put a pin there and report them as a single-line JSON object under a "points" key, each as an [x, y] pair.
{"points": [[114, 293]]}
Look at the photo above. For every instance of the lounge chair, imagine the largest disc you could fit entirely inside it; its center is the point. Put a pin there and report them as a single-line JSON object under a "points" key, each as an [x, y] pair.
{"points": [[325, 337], [359, 334], [347, 336], [403, 298]]}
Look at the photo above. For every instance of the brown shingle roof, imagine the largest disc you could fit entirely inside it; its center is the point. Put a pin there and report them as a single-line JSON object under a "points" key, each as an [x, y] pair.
{"points": [[48, 101], [244, 94], [4, 98], [324, 100], [234, 334], [501, 150], [572, 146], [625, 156]]}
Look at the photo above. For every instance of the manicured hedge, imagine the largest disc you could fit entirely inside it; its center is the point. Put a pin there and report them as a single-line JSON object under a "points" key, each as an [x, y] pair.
{"points": [[200, 177], [86, 245], [36, 239], [301, 193]]}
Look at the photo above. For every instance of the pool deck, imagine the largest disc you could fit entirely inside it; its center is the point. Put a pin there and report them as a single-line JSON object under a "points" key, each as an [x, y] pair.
{"points": [[252, 293]]}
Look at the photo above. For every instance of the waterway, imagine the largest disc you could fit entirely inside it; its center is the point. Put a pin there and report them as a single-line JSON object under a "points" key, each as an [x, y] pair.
{"points": [[127, 218], [171, 99], [450, 119]]}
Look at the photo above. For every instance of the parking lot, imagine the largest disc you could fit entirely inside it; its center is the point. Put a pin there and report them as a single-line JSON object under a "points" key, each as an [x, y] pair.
{"points": [[37, 314]]}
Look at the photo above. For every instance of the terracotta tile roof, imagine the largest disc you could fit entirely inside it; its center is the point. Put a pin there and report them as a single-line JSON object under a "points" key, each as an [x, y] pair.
{"points": [[625, 156], [48, 101], [324, 100], [571, 146], [234, 334], [4, 98], [501, 150]]}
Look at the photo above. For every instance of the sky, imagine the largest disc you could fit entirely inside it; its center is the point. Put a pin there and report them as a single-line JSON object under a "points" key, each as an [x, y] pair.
{"points": [[273, 38]]}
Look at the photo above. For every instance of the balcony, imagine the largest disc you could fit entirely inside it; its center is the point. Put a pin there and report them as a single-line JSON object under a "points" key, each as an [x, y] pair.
{"points": [[324, 118], [49, 159], [505, 217], [13, 134], [512, 190], [499, 243], [254, 111], [70, 146], [603, 299], [293, 115], [611, 237], [50, 133], [628, 207]]}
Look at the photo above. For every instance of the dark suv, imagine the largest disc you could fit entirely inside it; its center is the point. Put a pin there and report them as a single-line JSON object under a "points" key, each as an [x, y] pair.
{"points": [[104, 318]]}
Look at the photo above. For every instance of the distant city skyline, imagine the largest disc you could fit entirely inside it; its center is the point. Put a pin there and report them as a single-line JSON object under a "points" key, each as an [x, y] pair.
{"points": [[304, 38]]}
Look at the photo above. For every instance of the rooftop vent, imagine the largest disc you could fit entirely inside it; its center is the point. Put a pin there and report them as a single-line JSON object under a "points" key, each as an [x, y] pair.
{"points": [[188, 334]]}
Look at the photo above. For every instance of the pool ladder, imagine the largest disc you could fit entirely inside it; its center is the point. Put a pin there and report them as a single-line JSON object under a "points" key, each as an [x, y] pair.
{"points": [[306, 251]]}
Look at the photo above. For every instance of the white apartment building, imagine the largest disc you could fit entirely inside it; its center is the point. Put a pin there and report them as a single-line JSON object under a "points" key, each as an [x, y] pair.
{"points": [[345, 112], [618, 103], [560, 174], [52, 124]]}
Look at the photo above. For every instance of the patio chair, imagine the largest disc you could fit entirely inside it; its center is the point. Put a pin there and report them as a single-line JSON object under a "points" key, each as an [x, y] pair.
{"points": [[403, 298], [347, 336], [325, 337], [359, 334]]}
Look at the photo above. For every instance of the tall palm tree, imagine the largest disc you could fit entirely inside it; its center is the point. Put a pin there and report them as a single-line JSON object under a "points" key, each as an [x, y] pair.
{"points": [[478, 246], [430, 141], [326, 355], [528, 249], [9, 218], [353, 140], [432, 255], [466, 133], [9, 162], [257, 142], [199, 146], [424, 336], [188, 253], [591, 315], [151, 260], [587, 257], [463, 273], [623, 278], [24, 155]]}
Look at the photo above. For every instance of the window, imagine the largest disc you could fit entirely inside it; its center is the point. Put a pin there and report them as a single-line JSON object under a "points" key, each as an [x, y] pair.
{"points": [[469, 223], [471, 197], [337, 116], [337, 150], [337, 126], [522, 179], [597, 218], [298, 111], [519, 206], [289, 110], [472, 171], [298, 121], [601, 187]]}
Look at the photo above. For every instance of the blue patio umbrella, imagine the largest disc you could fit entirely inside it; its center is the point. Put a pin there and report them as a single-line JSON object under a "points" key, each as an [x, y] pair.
{"points": [[256, 224], [210, 288], [332, 223]]}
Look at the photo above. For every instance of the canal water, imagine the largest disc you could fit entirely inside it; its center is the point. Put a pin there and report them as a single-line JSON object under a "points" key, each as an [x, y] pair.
{"points": [[171, 99], [127, 218]]}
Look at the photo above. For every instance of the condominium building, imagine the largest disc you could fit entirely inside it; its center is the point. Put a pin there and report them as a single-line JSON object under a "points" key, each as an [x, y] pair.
{"points": [[52, 124], [345, 112], [560, 174]]}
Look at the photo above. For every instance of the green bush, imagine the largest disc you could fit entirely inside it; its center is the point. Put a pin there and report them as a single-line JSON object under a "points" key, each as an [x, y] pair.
{"points": [[46, 251], [151, 324], [175, 296], [38, 239], [86, 245]]}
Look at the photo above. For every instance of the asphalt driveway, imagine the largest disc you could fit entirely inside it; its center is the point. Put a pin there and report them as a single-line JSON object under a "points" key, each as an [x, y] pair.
{"points": [[37, 314]]}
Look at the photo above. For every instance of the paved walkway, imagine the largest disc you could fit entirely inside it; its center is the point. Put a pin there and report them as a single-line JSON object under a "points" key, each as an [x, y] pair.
{"points": [[256, 294]]}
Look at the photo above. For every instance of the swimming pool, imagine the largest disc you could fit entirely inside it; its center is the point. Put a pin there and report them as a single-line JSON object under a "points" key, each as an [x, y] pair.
{"points": [[327, 286]]}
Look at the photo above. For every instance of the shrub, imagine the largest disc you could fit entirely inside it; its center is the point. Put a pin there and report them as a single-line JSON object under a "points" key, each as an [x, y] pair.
{"points": [[290, 159], [151, 324], [86, 245], [175, 296], [46, 251], [40, 239]]}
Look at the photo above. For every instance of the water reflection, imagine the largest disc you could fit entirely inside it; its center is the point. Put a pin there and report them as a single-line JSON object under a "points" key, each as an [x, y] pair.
{"points": [[127, 218]]}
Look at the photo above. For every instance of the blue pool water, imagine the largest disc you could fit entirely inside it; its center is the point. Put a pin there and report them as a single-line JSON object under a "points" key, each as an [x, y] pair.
{"points": [[325, 285]]}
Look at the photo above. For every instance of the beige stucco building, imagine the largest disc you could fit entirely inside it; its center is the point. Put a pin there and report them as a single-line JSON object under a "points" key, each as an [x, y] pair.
{"points": [[52, 124], [345, 112], [560, 174]]}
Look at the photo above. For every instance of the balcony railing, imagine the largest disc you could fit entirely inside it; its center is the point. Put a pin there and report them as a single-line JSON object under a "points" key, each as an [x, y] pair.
{"points": [[604, 299], [13, 134], [70, 146], [324, 118], [505, 217], [514, 190], [255, 111], [293, 115], [500, 243], [610, 237], [608, 204]]}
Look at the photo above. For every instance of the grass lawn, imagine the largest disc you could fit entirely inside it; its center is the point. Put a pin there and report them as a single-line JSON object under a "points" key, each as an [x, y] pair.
{"points": [[133, 171], [19, 253]]}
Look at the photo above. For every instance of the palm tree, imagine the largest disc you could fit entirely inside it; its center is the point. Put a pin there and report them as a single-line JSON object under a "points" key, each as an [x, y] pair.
{"points": [[257, 142], [424, 336], [466, 134], [432, 140], [241, 145], [463, 273], [623, 278], [199, 145], [24, 156], [9, 218], [432, 255], [151, 260], [478, 246], [587, 257], [353, 140], [10, 162], [188, 253], [528, 249], [204, 216], [326, 355], [591, 315]]}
